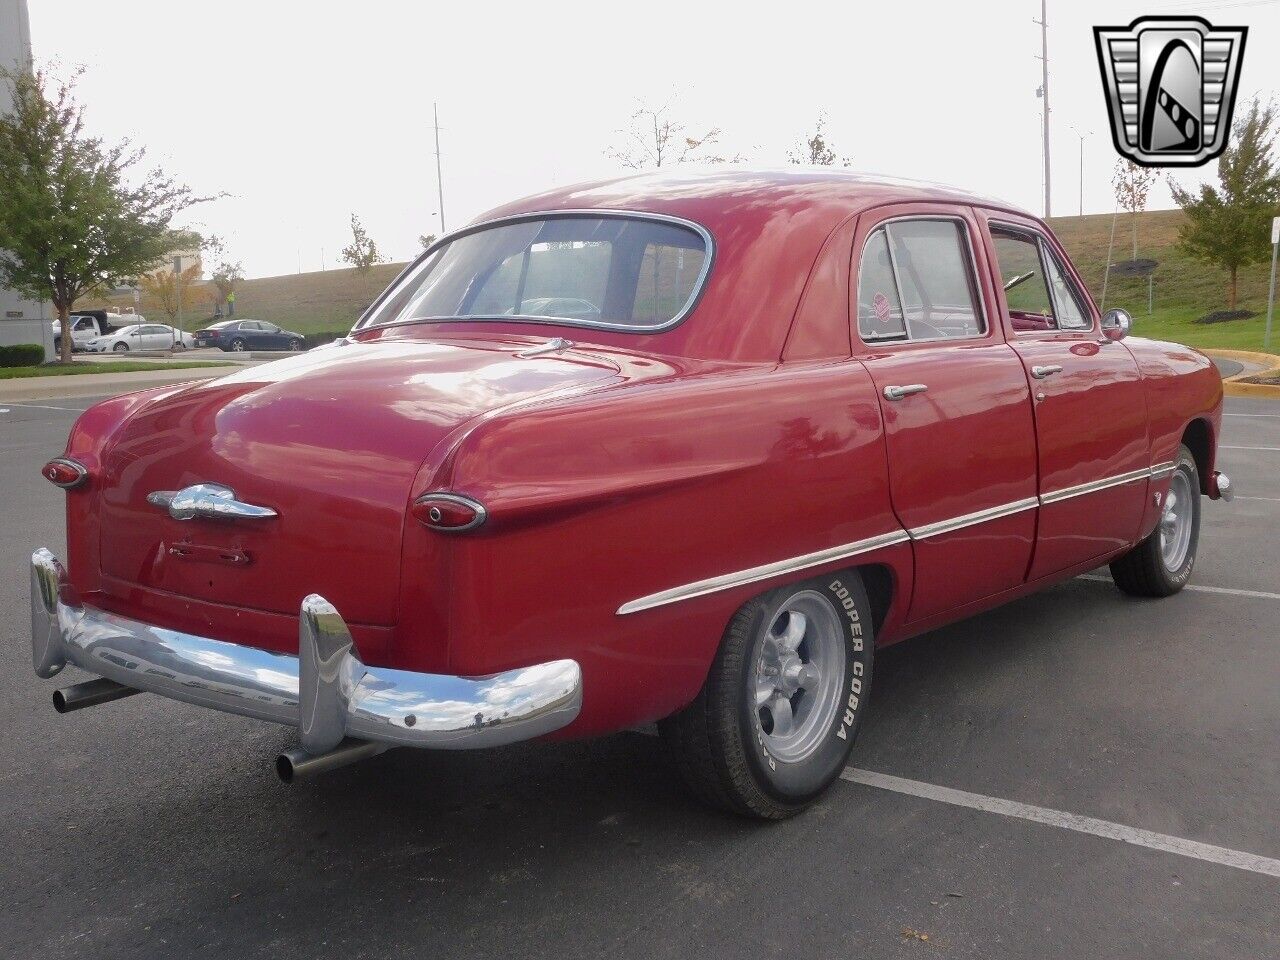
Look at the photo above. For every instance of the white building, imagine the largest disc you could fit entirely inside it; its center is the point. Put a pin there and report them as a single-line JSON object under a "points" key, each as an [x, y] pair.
{"points": [[21, 321]]}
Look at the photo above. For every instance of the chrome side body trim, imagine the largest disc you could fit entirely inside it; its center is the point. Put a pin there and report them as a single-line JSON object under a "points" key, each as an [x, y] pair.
{"points": [[1093, 486], [970, 519], [327, 692], [207, 501], [753, 574], [729, 580]]}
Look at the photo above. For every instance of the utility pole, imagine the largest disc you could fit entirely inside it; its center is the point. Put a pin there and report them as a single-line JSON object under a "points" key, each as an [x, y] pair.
{"points": [[1081, 134], [1044, 93], [435, 113], [177, 293]]}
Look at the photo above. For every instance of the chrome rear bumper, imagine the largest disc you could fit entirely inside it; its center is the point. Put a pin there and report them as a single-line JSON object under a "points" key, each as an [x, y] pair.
{"points": [[325, 691]]}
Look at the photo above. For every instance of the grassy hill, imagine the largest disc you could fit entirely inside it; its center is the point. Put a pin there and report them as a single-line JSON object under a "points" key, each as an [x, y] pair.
{"points": [[1184, 289]]}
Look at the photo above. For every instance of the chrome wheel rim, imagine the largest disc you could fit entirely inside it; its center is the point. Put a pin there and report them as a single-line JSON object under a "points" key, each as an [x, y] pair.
{"points": [[1175, 522], [799, 676]]}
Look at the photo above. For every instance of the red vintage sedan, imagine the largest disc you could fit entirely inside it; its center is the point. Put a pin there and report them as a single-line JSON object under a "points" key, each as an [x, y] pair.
{"points": [[683, 447]]}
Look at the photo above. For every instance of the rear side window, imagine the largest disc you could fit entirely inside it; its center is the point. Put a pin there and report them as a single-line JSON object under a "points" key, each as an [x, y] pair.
{"points": [[915, 282]]}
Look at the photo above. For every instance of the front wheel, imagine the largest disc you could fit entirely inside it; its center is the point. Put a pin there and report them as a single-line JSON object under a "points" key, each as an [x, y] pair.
{"points": [[121, 348], [775, 722], [1161, 564], [295, 345]]}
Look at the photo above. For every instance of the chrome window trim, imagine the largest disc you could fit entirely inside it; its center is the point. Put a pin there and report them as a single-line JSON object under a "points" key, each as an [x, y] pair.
{"points": [[754, 574], [1044, 250], [603, 213], [975, 288], [970, 519]]}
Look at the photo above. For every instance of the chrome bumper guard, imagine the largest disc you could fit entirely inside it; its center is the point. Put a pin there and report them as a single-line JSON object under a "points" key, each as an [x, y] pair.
{"points": [[325, 691]]}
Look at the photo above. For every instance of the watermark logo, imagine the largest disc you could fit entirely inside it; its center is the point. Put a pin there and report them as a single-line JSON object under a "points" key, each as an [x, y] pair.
{"points": [[1171, 87]]}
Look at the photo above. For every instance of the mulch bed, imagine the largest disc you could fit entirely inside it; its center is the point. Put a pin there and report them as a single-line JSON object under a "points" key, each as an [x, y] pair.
{"points": [[1226, 316]]}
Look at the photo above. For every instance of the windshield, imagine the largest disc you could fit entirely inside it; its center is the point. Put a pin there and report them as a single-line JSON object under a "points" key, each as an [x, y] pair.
{"points": [[622, 272]]}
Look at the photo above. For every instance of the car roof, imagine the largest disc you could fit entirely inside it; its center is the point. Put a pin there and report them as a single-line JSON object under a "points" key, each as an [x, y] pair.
{"points": [[717, 192]]}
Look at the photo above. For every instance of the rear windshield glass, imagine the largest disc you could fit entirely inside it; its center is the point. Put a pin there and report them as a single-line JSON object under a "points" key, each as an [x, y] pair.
{"points": [[622, 272]]}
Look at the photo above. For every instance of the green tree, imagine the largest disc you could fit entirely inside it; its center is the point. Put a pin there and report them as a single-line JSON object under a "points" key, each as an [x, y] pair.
{"points": [[75, 218], [815, 150], [1228, 225], [226, 274], [362, 253], [172, 292]]}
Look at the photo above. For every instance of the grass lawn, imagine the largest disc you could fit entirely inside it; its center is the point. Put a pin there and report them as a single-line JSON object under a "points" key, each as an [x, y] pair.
{"points": [[1175, 323], [82, 367]]}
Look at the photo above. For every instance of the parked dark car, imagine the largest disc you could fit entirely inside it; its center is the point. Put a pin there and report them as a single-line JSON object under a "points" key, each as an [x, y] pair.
{"points": [[237, 335]]}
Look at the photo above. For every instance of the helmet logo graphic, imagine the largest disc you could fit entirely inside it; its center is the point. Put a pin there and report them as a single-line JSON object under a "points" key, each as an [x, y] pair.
{"points": [[1171, 87]]}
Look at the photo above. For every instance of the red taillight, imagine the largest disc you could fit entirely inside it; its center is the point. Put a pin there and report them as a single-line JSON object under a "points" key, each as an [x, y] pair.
{"points": [[449, 511], [65, 472]]}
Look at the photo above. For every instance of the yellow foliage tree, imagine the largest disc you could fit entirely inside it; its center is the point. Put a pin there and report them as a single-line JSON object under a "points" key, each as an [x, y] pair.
{"points": [[171, 293]]}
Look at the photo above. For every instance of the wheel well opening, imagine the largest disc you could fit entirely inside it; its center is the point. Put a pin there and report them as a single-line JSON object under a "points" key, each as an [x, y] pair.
{"points": [[1198, 440], [878, 579]]}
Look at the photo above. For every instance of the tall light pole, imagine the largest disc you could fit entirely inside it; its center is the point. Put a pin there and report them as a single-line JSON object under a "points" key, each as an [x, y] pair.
{"points": [[1082, 134], [435, 113], [1044, 93]]}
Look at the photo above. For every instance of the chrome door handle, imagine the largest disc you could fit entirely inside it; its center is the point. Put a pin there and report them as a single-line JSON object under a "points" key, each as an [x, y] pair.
{"points": [[897, 393], [1046, 371]]}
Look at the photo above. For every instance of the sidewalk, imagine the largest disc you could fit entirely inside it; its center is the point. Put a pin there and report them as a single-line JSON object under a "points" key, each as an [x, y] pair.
{"points": [[103, 384]]}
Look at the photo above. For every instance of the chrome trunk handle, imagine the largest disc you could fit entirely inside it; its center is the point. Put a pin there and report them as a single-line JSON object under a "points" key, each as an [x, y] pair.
{"points": [[897, 393], [207, 501], [1045, 371]]}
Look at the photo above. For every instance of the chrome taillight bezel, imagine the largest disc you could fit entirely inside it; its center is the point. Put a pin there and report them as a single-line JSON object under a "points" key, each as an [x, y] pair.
{"points": [[80, 470]]}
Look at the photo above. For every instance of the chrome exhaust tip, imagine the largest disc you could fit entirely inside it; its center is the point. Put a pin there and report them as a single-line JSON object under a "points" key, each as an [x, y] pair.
{"points": [[298, 764], [90, 694]]}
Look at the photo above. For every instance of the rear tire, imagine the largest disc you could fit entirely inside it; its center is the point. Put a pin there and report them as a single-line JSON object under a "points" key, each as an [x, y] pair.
{"points": [[236, 346], [1161, 564], [777, 717]]}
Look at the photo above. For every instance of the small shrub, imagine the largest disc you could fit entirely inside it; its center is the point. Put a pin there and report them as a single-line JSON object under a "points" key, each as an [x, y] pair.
{"points": [[1224, 316], [325, 336], [22, 355]]}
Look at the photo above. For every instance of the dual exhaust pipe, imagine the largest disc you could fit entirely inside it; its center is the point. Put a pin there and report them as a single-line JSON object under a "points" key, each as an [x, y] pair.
{"points": [[291, 765]]}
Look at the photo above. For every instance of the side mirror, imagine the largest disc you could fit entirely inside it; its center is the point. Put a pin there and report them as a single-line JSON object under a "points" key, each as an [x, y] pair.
{"points": [[1116, 324]]}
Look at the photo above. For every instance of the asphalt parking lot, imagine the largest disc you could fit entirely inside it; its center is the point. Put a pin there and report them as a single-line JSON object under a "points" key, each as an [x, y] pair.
{"points": [[149, 828]]}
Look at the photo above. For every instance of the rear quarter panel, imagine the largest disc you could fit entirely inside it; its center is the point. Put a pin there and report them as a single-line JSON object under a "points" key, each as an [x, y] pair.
{"points": [[617, 495]]}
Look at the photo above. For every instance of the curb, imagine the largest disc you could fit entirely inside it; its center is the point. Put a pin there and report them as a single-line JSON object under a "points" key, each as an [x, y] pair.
{"points": [[102, 384], [1235, 387]]}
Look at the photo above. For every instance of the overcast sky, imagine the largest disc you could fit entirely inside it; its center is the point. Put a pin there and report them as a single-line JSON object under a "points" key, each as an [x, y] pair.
{"points": [[306, 112]]}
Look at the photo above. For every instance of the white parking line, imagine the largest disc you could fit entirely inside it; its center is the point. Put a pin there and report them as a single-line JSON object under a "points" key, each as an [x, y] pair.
{"points": [[1067, 821], [40, 406], [1265, 416], [1223, 446], [1198, 588], [1267, 499]]}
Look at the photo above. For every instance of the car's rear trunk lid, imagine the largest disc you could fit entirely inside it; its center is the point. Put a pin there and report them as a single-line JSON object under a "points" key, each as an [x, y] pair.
{"points": [[332, 442]]}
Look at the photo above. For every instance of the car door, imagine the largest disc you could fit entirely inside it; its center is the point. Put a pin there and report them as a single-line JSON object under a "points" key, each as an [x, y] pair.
{"points": [[955, 402], [156, 337], [1090, 410], [272, 338]]}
